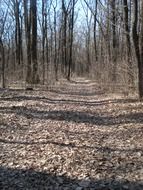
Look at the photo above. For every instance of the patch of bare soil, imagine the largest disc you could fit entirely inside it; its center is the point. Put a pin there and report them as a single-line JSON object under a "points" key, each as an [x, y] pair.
{"points": [[72, 137]]}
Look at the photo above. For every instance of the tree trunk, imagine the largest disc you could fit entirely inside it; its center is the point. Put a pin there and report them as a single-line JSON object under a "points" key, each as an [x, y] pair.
{"points": [[55, 44], [139, 56], [2, 60], [35, 76], [114, 43], [64, 37], [27, 21], [128, 41], [18, 37], [140, 64], [43, 37], [71, 40], [95, 26]]}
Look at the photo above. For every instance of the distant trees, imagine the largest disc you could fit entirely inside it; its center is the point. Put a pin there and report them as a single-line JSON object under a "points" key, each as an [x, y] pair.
{"points": [[115, 41], [42, 41], [68, 15]]}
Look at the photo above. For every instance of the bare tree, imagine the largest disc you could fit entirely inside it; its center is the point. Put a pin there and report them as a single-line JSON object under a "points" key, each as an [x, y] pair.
{"points": [[31, 38], [27, 19], [71, 30], [33, 7], [3, 18], [18, 31], [98, 45], [128, 40], [114, 40], [137, 48]]}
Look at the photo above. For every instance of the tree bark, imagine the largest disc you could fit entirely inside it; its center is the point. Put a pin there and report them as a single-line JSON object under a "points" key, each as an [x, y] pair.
{"points": [[2, 60], [71, 40], [27, 21], [128, 41], [139, 55], [140, 65], [114, 42], [35, 76]]}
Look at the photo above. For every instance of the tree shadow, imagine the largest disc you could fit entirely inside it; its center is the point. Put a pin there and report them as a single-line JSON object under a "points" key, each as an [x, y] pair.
{"points": [[81, 82], [62, 91], [5, 127], [78, 93], [18, 179], [104, 149], [75, 116], [69, 101]]}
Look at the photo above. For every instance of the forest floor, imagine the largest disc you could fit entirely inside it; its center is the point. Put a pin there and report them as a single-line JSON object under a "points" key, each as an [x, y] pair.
{"points": [[71, 137]]}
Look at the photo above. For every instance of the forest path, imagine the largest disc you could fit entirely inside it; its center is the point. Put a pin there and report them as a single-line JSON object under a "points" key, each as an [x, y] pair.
{"points": [[71, 137]]}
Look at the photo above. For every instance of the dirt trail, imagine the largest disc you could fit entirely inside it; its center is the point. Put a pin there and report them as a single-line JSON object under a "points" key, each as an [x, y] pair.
{"points": [[73, 136]]}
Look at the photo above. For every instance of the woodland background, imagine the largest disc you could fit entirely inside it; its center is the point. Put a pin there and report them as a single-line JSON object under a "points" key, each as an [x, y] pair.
{"points": [[43, 41], [71, 74]]}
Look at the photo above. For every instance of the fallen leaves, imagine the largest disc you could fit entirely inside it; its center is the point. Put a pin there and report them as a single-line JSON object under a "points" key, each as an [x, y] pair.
{"points": [[70, 138]]}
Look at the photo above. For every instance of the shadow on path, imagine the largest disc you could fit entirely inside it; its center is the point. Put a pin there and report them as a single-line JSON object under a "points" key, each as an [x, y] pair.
{"points": [[18, 179], [104, 149], [68, 101], [75, 116]]}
